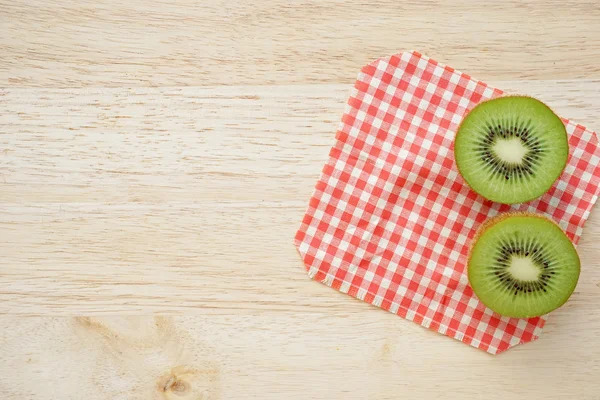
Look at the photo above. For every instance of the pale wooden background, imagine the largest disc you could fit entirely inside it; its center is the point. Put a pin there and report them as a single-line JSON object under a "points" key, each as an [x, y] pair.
{"points": [[156, 159]]}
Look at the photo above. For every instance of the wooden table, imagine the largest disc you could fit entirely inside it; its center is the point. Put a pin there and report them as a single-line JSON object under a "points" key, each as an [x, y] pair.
{"points": [[157, 157]]}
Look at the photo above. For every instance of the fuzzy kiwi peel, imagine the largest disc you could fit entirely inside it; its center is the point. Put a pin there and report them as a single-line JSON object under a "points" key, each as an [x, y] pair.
{"points": [[511, 149], [522, 265]]}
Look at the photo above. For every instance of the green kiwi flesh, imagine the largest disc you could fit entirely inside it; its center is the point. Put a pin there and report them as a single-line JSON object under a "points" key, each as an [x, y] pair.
{"points": [[522, 265], [511, 149]]}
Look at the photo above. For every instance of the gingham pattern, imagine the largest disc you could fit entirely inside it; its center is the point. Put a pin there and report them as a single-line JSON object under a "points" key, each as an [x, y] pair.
{"points": [[390, 219]]}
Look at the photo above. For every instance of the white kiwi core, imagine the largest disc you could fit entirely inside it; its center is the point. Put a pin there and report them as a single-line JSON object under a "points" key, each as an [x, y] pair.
{"points": [[524, 269], [510, 150]]}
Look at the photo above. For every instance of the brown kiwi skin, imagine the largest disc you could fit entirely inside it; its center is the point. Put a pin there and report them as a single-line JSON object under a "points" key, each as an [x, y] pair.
{"points": [[493, 221], [494, 98]]}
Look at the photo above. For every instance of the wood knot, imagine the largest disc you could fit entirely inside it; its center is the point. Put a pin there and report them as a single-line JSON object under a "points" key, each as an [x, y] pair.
{"points": [[186, 382], [176, 386], [171, 384]]}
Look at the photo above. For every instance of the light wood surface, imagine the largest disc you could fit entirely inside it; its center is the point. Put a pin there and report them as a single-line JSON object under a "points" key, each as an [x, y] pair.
{"points": [[156, 159]]}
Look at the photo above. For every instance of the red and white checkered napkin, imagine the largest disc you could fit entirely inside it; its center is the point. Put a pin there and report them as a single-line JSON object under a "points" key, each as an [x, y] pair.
{"points": [[390, 219]]}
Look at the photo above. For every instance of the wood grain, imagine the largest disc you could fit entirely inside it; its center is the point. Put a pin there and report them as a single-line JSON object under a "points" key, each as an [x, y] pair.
{"points": [[361, 353], [164, 43], [156, 159]]}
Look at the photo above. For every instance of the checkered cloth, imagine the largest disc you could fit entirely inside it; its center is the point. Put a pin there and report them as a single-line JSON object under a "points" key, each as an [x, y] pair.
{"points": [[391, 219]]}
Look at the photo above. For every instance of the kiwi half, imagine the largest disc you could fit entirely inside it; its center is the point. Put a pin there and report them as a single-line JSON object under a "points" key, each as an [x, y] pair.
{"points": [[522, 265], [511, 149]]}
